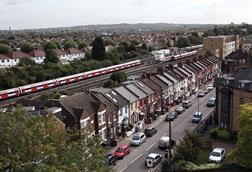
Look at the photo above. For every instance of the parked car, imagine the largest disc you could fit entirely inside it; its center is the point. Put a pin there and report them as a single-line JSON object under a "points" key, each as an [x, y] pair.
{"points": [[186, 104], [150, 131], [211, 102], [153, 159], [109, 142], [122, 151], [110, 159], [180, 110], [217, 155], [197, 116], [171, 116], [138, 139], [201, 94], [210, 88], [164, 142]]}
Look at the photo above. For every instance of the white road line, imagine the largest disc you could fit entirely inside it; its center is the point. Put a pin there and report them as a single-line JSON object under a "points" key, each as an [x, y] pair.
{"points": [[136, 158], [123, 169], [150, 147]]}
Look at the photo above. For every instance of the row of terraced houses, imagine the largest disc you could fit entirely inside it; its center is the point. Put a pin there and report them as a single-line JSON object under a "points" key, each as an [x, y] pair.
{"points": [[125, 109]]}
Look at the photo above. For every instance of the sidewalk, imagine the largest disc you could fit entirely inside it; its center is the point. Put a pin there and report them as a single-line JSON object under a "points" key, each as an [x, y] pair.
{"points": [[155, 123]]}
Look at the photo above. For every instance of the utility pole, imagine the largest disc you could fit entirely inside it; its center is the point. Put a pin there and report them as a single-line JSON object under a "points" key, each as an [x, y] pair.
{"points": [[170, 154]]}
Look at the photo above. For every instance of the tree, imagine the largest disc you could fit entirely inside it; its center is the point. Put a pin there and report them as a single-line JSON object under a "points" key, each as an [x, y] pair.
{"points": [[4, 49], [119, 77], [144, 46], [188, 148], [50, 45], [109, 41], [98, 50], [26, 62], [27, 47], [243, 151], [82, 45], [183, 42], [69, 44], [51, 56], [41, 143], [114, 56]]}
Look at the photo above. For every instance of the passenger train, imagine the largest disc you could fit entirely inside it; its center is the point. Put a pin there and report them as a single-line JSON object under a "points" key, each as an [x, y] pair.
{"points": [[32, 88]]}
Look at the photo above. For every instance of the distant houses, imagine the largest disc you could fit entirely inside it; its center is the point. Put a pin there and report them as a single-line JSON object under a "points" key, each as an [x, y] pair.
{"points": [[38, 55]]}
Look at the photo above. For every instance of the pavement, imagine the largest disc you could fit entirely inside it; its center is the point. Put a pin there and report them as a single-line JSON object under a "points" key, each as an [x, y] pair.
{"points": [[134, 162]]}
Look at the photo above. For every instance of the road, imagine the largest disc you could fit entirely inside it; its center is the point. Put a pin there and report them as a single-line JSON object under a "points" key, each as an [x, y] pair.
{"points": [[134, 162]]}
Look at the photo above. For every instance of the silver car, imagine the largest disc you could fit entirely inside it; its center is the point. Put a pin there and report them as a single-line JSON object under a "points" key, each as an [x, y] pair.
{"points": [[138, 139]]}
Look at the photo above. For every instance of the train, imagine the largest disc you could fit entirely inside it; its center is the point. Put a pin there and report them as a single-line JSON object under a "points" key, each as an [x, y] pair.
{"points": [[178, 56], [45, 85]]}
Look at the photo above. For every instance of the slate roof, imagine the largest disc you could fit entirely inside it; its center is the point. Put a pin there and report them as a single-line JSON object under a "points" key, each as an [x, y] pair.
{"points": [[4, 57], [141, 94], [124, 92], [244, 75], [73, 51], [80, 102], [154, 86], [144, 87], [159, 82]]}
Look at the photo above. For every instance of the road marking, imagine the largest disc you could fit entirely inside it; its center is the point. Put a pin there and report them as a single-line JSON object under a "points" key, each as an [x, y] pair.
{"points": [[136, 158], [150, 147], [123, 169]]}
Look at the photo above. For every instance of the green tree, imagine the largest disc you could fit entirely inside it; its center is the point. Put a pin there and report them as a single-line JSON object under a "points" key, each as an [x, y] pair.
{"points": [[114, 56], [109, 41], [119, 77], [188, 148], [144, 46], [27, 47], [69, 44], [243, 151], [98, 50], [51, 56], [82, 45], [26, 62], [40, 143], [183, 42], [8, 82], [50, 45], [4, 49]]}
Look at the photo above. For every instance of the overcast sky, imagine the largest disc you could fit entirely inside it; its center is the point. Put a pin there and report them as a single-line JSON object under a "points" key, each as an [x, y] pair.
{"points": [[23, 14]]}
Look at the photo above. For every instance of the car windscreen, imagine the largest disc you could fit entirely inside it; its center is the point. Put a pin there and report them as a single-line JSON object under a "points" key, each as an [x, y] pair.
{"points": [[120, 150], [136, 138], [196, 116], [215, 154]]}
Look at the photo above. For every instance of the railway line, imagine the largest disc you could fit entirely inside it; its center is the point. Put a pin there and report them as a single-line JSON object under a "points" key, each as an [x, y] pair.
{"points": [[93, 82]]}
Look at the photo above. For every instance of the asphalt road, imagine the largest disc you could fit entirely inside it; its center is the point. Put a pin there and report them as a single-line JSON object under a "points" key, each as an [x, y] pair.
{"points": [[134, 162]]}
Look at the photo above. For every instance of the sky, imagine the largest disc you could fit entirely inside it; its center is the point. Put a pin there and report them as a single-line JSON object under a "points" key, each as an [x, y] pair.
{"points": [[28, 14]]}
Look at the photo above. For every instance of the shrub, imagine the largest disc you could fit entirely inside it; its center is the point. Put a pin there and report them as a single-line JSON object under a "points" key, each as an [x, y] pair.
{"points": [[223, 134], [220, 134]]}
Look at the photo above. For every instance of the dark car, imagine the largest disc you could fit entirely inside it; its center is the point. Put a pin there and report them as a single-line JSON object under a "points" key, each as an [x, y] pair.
{"points": [[150, 131], [171, 116], [180, 109], [186, 104], [110, 159], [109, 143]]}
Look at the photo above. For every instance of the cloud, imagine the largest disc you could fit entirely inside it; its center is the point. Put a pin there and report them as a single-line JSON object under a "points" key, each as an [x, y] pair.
{"points": [[17, 2]]}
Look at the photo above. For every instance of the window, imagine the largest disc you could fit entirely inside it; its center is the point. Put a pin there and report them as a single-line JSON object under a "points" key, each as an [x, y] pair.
{"points": [[241, 100], [121, 112], [126, 109], [135, 104], [3, 61]]}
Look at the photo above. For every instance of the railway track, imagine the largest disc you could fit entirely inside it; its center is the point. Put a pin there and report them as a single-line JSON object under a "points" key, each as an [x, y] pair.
{"points": [[93, 82]]}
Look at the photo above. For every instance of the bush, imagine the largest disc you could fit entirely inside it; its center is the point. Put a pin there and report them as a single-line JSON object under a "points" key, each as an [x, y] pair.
{"points": [[223, 134], [220, 134]]}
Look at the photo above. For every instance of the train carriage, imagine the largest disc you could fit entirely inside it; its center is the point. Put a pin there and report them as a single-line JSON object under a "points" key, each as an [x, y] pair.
{"points": [[10, 93], [31, 88]]}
